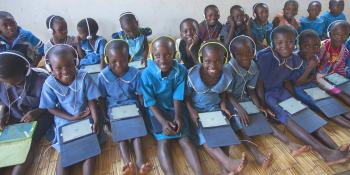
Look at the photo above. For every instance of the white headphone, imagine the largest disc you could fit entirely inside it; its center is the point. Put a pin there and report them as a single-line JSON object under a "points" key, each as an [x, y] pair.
{"points": [[47, 63], [330, 27], [22, 57], [251, 39], [88, 27], [50, 30]]}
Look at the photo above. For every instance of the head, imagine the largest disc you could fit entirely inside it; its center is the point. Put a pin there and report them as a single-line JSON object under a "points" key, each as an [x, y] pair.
{"points": [[339, 32], [163, 53], [129, 24], [58, 26], [336, 7], [62, 60], [8, 25], [261, 12], [314, 9], [13, 67], [117, 54], [188, 28], [212, 55], [290, 9], [211, 14], [309, 43], [283, 38], [242, 48], [237, 14], [83, 29]]}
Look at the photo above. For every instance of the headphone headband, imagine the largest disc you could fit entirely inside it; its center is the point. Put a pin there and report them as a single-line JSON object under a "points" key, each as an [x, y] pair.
{"points": [[106, 46], [200, 55], [168, 37], [50, 21], [273, 30], [76, 56], [256, 5], [245, 36], [126, 13], [88, 27], [20, 56], [330, 27]]}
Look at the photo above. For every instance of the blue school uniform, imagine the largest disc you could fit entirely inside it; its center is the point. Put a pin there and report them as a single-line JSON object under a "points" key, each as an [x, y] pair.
{"points": [[26, 43], [261, 32], [119, 91], [274, 72], [317, 25], [328, 18], [136, 45], [72, 99], [92, 53], [162, 91], [207, 98], [241, 30], [25, 98]]}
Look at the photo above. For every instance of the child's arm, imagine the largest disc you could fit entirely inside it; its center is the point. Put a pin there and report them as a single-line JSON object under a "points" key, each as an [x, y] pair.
{"points": [[93, 108], [288, 85], [103, 107], [61, 114], [81, 53], [193, 112], [3, 118], [252, 94], [167, 126], [145, 53], [248, 23], [242, 114], [178, 115], [261, 93], [229, 36], [275, 22], [32, 115]]}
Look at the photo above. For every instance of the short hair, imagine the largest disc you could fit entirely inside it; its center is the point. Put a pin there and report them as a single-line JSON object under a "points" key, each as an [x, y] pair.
{"points": [[259, 4], [315, 2], [60, 50], [53, 19], [4, 14], [165, 38], [92, 25], [212, 45], [191, 20], [127, 16], [116, 45], [332, 3], [12, 65], [340, 23], [307, 34], [283, 29], [237, 7], [238, 41], [292, 2], [211, 6]]}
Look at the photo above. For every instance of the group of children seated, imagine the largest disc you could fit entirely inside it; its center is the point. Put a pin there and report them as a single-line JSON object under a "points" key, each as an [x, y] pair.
{"points": [[245, 64]]}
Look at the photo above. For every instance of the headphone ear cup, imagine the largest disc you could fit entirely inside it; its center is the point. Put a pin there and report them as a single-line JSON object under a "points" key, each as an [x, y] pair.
{"points": [[48, 67], [50, 30], [89, 37]]}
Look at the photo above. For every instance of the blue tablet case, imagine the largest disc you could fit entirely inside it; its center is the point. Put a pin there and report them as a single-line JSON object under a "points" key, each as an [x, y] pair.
{"points": [[258, 125], [156, 126], [331, 107], [128, 128], [220, 136], [79, 149]]}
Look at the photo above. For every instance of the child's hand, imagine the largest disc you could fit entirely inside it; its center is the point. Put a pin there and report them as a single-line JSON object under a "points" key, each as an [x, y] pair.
{"points": [[246, 19], [231, 21], [243, 115], [194, 117], [267, 112], [192, 41], [95, 127], [169, 128], [3, 122], [31, 116], [178, 123], [144, 62], [81, 115], [224, 108], [312, 64]]}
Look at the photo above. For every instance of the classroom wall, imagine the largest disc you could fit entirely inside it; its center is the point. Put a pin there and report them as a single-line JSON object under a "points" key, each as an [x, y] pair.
{"points": [[163, 16]]}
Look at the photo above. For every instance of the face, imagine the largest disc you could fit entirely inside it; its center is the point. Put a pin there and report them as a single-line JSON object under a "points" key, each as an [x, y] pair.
{"points": [[339, 35], [283, 44], [314, 10], [243, 54], [13, 81], [130, 27], [163, 53], [213, 62], [81, 33], [238, 16], [310, 47], [212, 16], [63, 68], [118, 60], [60, 30], [290, 10], [262, 13], [8, 27], [337, 7], [188, 30]]}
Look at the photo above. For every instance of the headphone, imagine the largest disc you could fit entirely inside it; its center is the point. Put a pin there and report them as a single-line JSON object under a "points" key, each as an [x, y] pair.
{"points": [[50, 30], [154, 40], [273, 30], [106, 46], [330, 27], [20, 56], [256, 5], [200, 55], [245, 36], [47, 62], [126, 13], [88, 27]]}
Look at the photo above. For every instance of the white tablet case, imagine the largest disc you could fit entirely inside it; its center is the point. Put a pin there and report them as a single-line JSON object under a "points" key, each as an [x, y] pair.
{"points": [[292, 105], [94, 68], [316, 93], [336, 79], [76, 130], [249, 107], [123, 112], [212, 119], [136, 64]]}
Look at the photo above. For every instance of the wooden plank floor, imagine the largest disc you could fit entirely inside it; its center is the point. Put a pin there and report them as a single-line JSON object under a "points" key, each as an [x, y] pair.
{"points": [[109, 162]]}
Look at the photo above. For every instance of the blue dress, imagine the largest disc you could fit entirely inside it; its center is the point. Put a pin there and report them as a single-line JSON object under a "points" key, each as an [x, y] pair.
{"points": [[92, 53], [119, 91], [207, 98], [273, 73], [72, 99], [136, 45], [261, 32], [317, 25], [162, 91], [328, 18]]}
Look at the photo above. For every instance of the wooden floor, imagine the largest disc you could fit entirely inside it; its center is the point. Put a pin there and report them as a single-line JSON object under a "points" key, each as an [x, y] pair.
{"points": [[109, 162]]}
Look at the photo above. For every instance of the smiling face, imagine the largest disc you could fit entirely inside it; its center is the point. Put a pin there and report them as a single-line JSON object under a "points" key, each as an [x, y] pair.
{"points": [[336, 7], [310, 47], [262, 13], [290, 10], [8, 27], [163, 53], [188, 30], [60, 30], [238, 16], [213, 61], [212, 16], [314, 10], [283, 44], [63, 67], [339, 34], [118, 59], [243, 53]]}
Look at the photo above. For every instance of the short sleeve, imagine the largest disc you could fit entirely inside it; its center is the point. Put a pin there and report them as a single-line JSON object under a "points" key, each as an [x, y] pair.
{"points": [[251, 84], [48, 98], [146, 31], [179, 90], [189, 89], [101, 85], [101, 46], [147, 90], [38, 45], [91, 89], [138, 84], [117, 35]]}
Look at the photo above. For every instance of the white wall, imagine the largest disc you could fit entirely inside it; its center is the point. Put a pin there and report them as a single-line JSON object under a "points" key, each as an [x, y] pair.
{"points": [[163, 16]]}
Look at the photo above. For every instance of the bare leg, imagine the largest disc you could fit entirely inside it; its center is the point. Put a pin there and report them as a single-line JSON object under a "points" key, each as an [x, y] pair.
{"points": [[89, 166], [164, 157], [323, 137], [343, 97], [191, 155], [340, 120], [346, 115], [124, 151], [59, 168], [144, 168]]}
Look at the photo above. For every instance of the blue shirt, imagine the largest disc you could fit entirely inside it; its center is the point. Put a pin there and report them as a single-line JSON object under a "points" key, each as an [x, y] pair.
{"points": [[162, 91], [207, 98], [261, 32], [136, 45], [317, 25], [26, 43], [328, 18], [92, 53], [119, 91]]}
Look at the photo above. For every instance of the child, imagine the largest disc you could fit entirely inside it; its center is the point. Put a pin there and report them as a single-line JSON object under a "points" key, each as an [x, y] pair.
{"points": [[210, 28], [70, 95], [290, 10], [91, 46], [20, 89], [280, 60], [14, 37], [190, 43], [57, 27], [237, 24], [206, 84], [245, 76], [313, 21], [336, 8], [260, 26], [135, 36], [120, 85], [163, 87]]}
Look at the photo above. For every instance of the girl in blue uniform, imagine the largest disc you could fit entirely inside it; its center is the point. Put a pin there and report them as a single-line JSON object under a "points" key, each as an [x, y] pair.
{"points": [[69, 94], [163, 88]]}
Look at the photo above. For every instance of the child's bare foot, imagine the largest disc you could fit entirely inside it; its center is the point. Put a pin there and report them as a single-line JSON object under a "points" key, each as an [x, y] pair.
{"points": [[336, 157], [145, 168], [237, 166], [129, 169], [296, 149], [267, 161], [344, 148]]}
